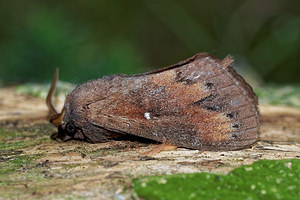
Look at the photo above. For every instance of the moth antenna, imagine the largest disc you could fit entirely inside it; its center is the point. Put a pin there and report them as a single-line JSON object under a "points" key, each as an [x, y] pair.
{"points": [[49, 103], [227, 61], [58, 118]]}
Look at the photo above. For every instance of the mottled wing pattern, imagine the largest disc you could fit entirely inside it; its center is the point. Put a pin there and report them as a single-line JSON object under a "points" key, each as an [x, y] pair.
{"points": [[201, 103]]}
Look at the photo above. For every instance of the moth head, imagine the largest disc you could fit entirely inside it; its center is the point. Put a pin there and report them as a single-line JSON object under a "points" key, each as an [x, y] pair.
{"points": [[66, 130]]}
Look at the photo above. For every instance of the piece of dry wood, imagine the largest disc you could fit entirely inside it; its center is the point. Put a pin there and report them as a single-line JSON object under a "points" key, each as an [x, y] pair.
{"points": [[100, 171]]}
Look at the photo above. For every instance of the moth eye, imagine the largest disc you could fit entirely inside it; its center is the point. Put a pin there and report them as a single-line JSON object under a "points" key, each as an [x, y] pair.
{"points": [[70, 129]]}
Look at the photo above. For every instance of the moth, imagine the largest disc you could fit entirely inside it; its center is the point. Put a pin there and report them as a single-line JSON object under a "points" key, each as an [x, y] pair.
{"points": [[199, 103]]}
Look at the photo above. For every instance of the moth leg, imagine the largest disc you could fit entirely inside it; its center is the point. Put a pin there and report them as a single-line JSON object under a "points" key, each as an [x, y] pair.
{"points": [[158, 148]]}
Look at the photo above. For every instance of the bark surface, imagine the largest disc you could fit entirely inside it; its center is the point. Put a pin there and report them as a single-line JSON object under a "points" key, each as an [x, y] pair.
{"points": [[33, 166]]}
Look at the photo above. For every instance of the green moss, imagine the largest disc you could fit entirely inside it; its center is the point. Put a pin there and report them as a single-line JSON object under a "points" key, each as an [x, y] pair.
{"points": [[15, 163], [279, 95], [24, 137], [70, 166], [264, 179], [101, 152], [41, 90], [36, 131], [9, 135], [67, 197], [11, 145]]}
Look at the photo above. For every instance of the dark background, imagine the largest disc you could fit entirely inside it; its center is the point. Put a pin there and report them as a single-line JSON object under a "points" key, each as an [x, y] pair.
{"points": [[88, 39]]}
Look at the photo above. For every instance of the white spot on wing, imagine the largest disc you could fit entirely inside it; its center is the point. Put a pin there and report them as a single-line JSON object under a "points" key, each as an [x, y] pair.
{"points": [[147, 115], [197, 76]]}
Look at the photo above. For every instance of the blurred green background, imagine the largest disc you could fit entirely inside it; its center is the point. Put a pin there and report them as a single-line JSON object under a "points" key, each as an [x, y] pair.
{"points": [[89, 39]]}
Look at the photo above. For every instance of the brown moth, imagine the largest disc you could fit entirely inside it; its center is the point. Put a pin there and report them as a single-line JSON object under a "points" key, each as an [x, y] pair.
{"points": [[200, 103]]}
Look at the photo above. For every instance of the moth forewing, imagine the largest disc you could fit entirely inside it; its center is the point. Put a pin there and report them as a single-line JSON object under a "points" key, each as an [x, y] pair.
{"points": [[200, 103]]}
